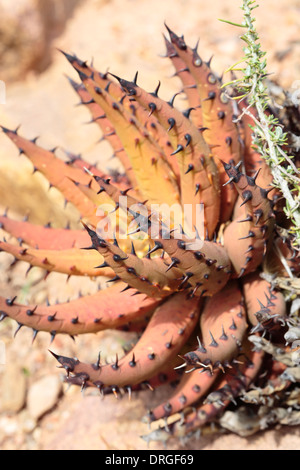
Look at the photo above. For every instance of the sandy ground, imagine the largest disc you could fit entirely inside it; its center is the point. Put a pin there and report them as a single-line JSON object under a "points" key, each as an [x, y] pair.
{"points": [[124, 36]]}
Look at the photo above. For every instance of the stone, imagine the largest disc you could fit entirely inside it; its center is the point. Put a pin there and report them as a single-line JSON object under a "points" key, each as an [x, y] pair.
{"points": [[26, 423], [8, 425], [43, 395], [38, 22], [13, 389]]}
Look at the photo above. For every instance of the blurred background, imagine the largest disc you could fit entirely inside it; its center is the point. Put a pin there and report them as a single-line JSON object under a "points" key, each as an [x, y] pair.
{"points": [[123, 36]]}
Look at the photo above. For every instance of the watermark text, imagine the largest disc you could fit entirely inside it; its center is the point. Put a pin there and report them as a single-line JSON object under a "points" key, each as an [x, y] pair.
{"points": [[157, 221]]}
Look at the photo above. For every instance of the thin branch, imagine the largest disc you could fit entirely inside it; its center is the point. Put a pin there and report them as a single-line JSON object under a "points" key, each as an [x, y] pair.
{"points": [[269, 138]]}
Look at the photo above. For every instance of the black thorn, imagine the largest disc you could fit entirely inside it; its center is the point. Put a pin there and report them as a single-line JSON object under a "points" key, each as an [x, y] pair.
{"points": [[233, 325], [155, 93], [209, 61], [116, 278], [213, 343], [118, 258], [35, 332], [3, 315], [133, 252], [115, 241], [52, 317], [248, 218], [115, 366], [158, 246], [188, 139], [211, 96], [134, 81], [247, 195], [179, 149], [171, 102], [52, 334], [172, 123], [224, 336], [10, 302], [126, 288], [97, 365], [152, 107], [174, 262], [103, 265], [250, 235], [18, 329], [190, 168]]}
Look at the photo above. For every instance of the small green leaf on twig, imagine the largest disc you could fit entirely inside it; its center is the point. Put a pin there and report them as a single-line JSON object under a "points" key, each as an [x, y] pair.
{"points": [[233, 24]]}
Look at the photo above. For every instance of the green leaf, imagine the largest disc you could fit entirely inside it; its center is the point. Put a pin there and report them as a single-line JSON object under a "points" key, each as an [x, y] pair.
{"points": [[233, 24]]}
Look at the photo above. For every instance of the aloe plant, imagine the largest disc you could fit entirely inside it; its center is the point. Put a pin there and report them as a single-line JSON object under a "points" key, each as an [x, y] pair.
{"points": [[198, 299]]}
